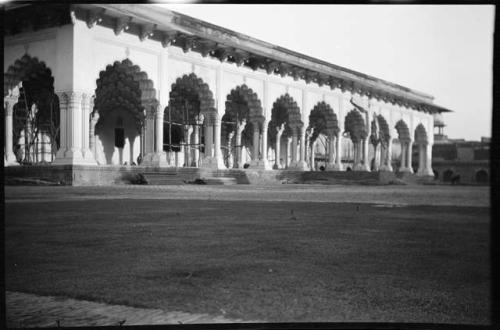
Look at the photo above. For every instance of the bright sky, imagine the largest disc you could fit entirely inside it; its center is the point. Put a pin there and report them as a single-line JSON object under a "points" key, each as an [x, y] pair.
{"points": [[445, 51]]}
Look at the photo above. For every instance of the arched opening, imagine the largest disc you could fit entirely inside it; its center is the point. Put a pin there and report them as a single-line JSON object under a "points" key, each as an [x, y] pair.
{"points": [[421, 146], [482, 176], [379, 140], [32, 121], [241, 128], [321, 136], [356, 130], [404, 142], [447, 175], [191, 104], [123, 96], [283, 130]]}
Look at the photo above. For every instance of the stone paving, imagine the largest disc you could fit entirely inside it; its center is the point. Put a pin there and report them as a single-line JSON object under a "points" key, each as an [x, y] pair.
{"points": [[28, 310]]}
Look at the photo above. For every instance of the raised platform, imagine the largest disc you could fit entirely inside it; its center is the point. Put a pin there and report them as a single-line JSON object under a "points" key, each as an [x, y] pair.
{"points": [[82, 175]]}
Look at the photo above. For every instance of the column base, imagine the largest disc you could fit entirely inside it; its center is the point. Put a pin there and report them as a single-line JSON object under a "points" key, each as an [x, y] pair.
{"points": [[260, 164], [386, 168], [156, 160], [361, 167], [74, 156], [425, 172], [298, 166], [10, 160], [213, 163], [405, 170]]}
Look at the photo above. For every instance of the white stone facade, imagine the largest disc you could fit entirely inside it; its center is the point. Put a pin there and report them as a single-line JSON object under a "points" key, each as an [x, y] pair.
{"points": [[76, 54]]}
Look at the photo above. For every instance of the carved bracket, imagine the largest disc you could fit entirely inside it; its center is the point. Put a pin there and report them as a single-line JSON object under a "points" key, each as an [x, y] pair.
{"points": [[122, 24], [271, 66], [146, 31], [94, 16], [222, 54], [188, 44], [168, 38], [240, 58]]}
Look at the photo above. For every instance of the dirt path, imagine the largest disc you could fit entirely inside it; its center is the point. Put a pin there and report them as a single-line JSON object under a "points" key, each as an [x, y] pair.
{"points": [[28, 310]]}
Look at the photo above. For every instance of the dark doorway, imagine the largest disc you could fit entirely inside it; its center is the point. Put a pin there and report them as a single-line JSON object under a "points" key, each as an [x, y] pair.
{"points": [[119, 137]]}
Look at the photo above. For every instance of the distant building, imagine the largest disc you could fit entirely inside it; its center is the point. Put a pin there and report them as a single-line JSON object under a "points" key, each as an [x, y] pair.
{"points": [[451, 157]]}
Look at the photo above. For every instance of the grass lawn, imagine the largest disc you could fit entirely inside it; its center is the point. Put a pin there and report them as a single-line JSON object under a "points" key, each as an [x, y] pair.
{"points": [[264, 260]]}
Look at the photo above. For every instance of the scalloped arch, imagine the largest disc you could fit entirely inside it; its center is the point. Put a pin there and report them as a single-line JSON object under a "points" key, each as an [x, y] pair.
{"points": [[383, 129], [420, 134], [355, 124], [251, 99], [403, 131], [323, 119], [26, 68], [191, 84], [124, 85], [293, 118]]}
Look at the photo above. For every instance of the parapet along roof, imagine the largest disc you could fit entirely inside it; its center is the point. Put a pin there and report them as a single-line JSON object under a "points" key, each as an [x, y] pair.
{"points": [[191, 34]]}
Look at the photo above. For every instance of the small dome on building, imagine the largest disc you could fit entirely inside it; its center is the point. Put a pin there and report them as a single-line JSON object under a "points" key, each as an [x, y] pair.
{"points": [[438, 120]]}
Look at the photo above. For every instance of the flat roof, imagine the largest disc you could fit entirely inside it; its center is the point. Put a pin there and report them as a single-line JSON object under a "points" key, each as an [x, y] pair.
{"points": [[161, 21]]}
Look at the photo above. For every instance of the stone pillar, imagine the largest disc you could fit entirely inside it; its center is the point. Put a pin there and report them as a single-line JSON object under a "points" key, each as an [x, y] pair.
{"points": [[196, 140], [154, 137], [63, 136], [180, 156], [149, 133], [366, 160], [213, 158], [309, 133], [230, 159], [263, 135], [428, 160], [402, 167], [28, 156], [279, 133], [22, 148], [294, 146], [302, 156], [87, 107], [298, 162], [188, 129], [159, 130], [313, 147], [73, 130], [409, 156], [377, 150], [256, 137], [387, 157], [260, 143], [92, 142], [239, 148], [338, 155], [217, 143], [288, 151], [421, 162], [331, 154], [209, 139], [10, 157], [361, 152]]}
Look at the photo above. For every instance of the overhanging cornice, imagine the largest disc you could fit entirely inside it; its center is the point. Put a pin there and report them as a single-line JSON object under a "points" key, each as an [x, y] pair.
{"points": [[191, 34]]}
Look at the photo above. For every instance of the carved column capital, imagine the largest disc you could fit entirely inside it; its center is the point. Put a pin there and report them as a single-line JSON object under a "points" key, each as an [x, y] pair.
{"points": [[9, 102], [199, 119], [94, 117]]}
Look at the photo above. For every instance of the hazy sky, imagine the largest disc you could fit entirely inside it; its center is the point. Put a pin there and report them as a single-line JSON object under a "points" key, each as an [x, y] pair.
{"points": [[445, 51]]}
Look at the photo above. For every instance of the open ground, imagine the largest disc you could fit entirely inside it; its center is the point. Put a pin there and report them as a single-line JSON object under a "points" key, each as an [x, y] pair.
{"points": [[279, 253]]}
